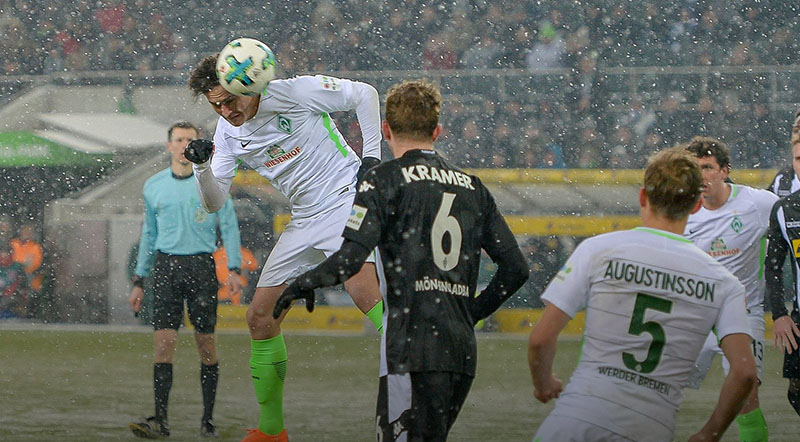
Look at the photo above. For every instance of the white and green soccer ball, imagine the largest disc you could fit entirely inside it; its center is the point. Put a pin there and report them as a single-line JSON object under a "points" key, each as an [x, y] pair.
{"points": [[245, 66]]}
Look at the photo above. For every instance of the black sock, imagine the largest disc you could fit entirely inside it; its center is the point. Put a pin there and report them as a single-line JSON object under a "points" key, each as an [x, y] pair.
{"points": [[209, 375], [794, 399], [162, 384]]}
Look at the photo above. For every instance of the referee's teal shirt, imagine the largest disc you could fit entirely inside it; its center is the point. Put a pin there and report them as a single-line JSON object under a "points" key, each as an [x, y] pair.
{"points": [[176, 223]]}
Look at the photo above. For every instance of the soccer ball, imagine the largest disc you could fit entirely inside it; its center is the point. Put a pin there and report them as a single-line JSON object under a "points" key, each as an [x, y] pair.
{"points": [[245, 66]]}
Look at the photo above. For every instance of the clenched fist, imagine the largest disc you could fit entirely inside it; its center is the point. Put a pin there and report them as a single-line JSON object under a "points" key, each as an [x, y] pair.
{"points": [[199, 151]]}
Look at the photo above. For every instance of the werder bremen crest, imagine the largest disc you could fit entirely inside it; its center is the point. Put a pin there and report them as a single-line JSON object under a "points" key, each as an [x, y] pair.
{"points": [[737, 224], [284, 124]]}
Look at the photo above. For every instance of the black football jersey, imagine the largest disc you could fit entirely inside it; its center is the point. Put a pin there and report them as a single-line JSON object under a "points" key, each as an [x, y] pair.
{"points": [[429, 220], [783, 237]]}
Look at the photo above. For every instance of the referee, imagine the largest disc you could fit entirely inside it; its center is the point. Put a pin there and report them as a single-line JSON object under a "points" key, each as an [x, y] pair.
{"points": [[178, 238], [430, 221]]}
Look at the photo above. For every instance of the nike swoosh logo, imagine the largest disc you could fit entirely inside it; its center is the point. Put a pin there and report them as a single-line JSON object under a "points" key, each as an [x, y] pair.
{"points": [[245, 144], [692, 232]]}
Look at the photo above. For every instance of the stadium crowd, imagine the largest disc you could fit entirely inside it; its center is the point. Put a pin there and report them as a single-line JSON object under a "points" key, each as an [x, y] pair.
{"points": [[569, 113]]}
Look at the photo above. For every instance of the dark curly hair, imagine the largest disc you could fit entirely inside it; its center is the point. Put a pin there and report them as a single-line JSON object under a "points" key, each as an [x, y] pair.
{"points": [[703, 147], [203, 77]]}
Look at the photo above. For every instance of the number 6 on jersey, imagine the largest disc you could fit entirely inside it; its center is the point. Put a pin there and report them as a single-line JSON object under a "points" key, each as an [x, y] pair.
{"points": [[442, 224]]}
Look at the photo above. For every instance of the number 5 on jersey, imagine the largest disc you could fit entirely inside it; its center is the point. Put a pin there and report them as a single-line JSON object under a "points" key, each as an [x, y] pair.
{"points": [[638, 326]]}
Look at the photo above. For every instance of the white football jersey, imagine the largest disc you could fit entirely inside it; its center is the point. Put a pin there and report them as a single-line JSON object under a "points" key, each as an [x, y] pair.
{"points": [[293, 142], [651, 298], [736, 236]]}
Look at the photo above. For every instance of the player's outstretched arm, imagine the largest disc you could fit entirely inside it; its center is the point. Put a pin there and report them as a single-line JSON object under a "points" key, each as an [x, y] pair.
{"points": [[212, 195], [542, 351], [737, 348], [337, 269]]}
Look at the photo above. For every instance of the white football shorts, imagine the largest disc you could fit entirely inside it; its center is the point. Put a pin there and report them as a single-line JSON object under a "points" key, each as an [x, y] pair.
{"points": [[567, 429], [711, 348], [304, 244]]}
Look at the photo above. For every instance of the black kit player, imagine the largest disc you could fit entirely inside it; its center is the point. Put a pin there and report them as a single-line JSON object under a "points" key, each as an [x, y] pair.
{"points": [[784, 237], [430, 221], [786, 181]]}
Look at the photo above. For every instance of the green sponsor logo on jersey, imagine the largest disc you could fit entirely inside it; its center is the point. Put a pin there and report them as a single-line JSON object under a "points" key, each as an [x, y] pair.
{"points": [[718, 244], [737, 224], [275, 151], [285, 124]]}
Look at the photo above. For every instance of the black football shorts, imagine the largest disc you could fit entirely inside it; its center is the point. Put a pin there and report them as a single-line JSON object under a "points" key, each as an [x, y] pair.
{"points": [[190, 278], [420, 406]]}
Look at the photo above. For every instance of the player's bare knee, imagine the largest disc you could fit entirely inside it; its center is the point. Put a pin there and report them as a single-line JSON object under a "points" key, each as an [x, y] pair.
{"points": [[259, 319]]}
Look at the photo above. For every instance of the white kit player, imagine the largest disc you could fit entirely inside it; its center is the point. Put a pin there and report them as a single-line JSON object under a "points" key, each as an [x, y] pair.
{"points": [[651, 298], [286, 134], [731, 226]]}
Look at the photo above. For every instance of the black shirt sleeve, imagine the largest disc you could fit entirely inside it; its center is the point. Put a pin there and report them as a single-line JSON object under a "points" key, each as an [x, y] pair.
{"points": [[512, 268], [337, 269], [776, 256]]}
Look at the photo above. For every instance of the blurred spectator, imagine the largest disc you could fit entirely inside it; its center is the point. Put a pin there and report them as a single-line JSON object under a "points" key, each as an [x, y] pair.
{"points": [[548, 49], [624, 154], [783, 46], [249, 264], [13, 283], [759, 139], [705, 114], [588, 94], [552, 157], [544, 255], [110, 15], [472, 135], [485, 53], [6, 227], [707, 36], [619, 158], [743, 54], [653, 142], [638, 118], [590, 147], [438, 54], [668, 118], [28, 252], [680, 35]]}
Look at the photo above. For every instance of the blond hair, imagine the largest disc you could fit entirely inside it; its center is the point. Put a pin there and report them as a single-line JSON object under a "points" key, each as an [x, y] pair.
{"points": [[673, 182], [412, 109]]}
